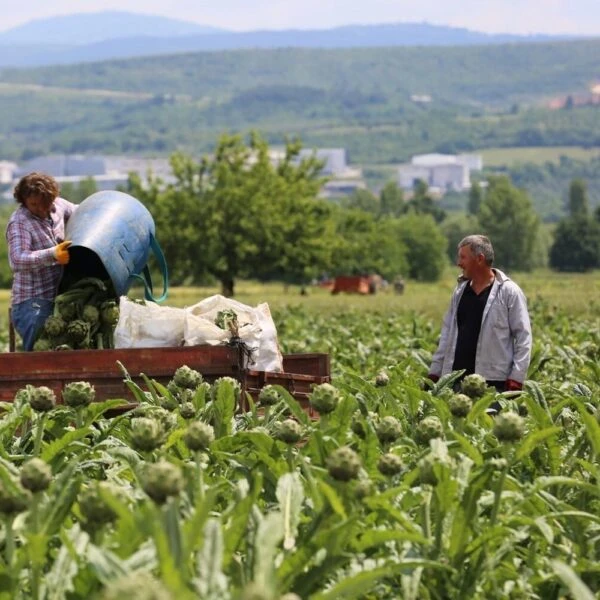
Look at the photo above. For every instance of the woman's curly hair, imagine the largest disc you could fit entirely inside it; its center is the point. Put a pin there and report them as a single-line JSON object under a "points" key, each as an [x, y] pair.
{"points": [[37, 184]]}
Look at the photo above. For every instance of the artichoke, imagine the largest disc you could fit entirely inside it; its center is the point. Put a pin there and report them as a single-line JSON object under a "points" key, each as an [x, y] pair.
{"points": [[227, 319], [234, 383], [460, 405], [42, 398], [343, 464], [382, 379], [188, 378], [288, 431], [390, 464], [363, 488], [42, 345], [78, 331], [199, 436], [162, 480], [94, 509], [109, 313], [428, 429], [36, 475], [187, 410], [324, 398], [388, 429], [509, 427], [474, 386], [90, 314], [54, 326], [137, 585], [67, 311], [268, 396], [13, 500], [78, 393], [146, 434]]}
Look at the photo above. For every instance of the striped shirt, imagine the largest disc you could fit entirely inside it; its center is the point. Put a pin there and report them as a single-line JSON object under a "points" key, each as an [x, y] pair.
{"points": [[31, 241]]}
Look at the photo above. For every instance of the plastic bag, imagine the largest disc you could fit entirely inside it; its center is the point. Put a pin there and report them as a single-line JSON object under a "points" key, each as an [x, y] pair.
{"points": [[148, 325], [255, 328]]}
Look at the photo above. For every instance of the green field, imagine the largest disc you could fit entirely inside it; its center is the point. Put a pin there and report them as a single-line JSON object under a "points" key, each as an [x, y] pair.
{"points": [[508, 157], [575, 294]]}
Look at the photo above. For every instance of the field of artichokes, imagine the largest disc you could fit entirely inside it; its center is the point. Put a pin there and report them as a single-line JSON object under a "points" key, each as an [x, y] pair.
{"points": [[396, 491]]}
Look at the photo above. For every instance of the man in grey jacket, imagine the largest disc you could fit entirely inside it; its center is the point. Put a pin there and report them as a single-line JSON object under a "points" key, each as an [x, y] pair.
{"points": [[486, 329]]}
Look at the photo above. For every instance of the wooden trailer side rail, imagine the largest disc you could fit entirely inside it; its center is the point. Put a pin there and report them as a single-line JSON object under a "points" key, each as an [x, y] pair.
{"points": [[101, 369]]}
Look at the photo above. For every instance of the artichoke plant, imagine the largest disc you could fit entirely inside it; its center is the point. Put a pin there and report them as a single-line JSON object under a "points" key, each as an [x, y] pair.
{"points": [[343, 464], [78, 393], [509, 427], [185, 377], [35, 475], [474, 386], [198, 436], [288, 431], [324, 398], [162, 480]]}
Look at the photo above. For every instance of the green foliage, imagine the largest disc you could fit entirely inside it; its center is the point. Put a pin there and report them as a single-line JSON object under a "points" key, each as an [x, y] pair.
{"points": [[425, 246], [507, 217], [183, 102], [578, 200], [78, 192], [576, 244]]}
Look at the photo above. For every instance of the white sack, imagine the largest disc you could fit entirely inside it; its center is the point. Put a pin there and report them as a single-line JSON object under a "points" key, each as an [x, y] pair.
{"points": [[148, 325], [256, 329]]}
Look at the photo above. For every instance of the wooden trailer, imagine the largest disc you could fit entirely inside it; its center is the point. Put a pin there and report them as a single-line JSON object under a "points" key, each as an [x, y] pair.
{"points": [[101, 369]]}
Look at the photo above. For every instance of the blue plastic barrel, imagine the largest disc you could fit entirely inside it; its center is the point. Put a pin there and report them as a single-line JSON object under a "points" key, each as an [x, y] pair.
{"points": [[113, 236]]}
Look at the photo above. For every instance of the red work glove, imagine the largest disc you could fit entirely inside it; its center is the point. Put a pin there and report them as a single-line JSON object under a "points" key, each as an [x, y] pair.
{"points": [[513, 386], [61, 253], [434, 378]]}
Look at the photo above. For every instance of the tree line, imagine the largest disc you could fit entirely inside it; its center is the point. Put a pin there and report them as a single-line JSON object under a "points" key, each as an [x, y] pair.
{"points": [[234, 215]]}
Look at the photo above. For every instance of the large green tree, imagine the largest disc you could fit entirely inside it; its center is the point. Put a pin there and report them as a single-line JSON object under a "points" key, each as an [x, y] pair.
{"points": [[578, 198], [507, 217], [364, 244], [426, 246], [576, 244], [236, 214]]}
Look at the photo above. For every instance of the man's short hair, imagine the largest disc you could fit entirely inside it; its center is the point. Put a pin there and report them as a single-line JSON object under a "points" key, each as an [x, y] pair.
{"points": [[479, 244], [37, 184]]}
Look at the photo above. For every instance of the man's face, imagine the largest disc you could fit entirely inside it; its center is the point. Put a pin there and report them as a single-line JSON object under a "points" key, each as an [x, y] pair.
{"points": [[468, 262], [36, 206]]}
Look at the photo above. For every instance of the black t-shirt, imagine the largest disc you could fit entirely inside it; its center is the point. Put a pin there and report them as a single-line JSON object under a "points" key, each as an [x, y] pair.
{"points": [[468, 316]]}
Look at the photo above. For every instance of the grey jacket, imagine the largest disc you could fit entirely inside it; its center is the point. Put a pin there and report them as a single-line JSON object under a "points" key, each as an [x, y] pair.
{"points": [[504, 345]]}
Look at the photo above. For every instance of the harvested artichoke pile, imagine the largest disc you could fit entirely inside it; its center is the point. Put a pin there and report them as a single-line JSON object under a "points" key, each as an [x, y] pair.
{"points": [[84, 317]]}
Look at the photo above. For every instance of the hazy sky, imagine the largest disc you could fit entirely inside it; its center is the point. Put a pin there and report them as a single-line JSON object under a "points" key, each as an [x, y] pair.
{"points": [[508, 16]]}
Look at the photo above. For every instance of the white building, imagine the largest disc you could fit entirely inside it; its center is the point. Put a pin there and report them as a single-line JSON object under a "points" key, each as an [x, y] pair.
{"points": [[104, 170], [443, 172], [7, 171]]}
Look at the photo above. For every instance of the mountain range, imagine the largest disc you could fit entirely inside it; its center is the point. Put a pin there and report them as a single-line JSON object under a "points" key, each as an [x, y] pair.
{"points": [[109, 35]]}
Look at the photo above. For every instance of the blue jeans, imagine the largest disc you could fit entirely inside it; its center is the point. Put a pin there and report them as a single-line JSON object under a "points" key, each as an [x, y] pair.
{"points": [[29, 317]]}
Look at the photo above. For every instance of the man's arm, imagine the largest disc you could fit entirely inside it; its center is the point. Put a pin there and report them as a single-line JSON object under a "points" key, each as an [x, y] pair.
{"points": [[520, 327], [437, 361]]}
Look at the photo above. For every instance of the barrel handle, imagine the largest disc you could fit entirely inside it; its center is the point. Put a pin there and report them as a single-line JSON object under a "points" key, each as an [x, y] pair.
{"points": [[146, 279]]}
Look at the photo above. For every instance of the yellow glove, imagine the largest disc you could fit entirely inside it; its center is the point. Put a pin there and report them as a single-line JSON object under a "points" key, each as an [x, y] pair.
{"points": [[61, 253]]}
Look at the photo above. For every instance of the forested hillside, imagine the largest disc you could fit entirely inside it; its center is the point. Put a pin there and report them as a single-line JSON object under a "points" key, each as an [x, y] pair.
{"points": [[357, 98]]}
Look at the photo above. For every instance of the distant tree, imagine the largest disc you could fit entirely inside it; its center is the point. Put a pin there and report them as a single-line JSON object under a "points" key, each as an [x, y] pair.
{"points": [[363, 200], [475, 198], [578, 199], [426, 246], [391, 200], [78, 192], [507, 217], [422, 203], [235, 215], [455, 228], [576, 245], [364, 244]]}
